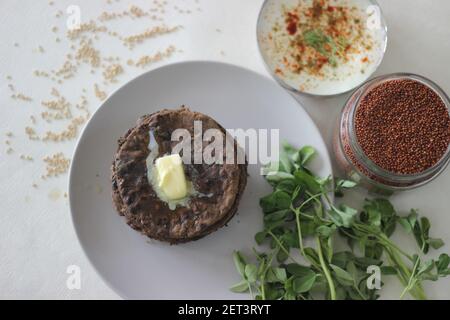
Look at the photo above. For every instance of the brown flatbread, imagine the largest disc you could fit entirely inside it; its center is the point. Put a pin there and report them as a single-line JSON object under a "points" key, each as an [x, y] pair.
{"points": [[135, 198]]}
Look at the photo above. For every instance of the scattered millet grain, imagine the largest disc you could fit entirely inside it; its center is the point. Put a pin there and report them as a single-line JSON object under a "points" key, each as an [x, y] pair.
{"points": [[21, 96], [56, 165], [31, 133], [137, 12], [99, 93], [146, 60], [89, 54], [112, 71], [66, 71], [69, 133], [88, 27], [132, 40], [39, 73], [26, 157]]}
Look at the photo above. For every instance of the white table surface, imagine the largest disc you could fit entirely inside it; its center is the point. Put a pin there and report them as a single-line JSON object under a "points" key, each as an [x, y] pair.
{"points": [[37, 240]]}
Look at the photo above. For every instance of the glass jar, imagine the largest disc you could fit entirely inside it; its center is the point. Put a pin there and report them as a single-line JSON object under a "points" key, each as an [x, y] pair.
{"points": [[357, 166]]}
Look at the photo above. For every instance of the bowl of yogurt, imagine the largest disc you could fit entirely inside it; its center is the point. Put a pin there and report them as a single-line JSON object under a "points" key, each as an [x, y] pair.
{"points": [[321, 47]]}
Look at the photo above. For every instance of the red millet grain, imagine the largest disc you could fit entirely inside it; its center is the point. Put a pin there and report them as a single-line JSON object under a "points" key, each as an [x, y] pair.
{"points": [[403, 126]]}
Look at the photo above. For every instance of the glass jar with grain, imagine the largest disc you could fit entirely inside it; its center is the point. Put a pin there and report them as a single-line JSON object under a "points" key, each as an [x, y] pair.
{"points": [[394, 133]]}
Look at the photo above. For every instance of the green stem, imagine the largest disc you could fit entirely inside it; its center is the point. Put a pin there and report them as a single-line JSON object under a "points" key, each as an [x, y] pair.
{"points": [[263, 291], [414, 288], [314, 197], [383, 239], [251, 291], [282, 247], [412, 280], [359, 292], [299, 232], [263, 279], [326, 272]]}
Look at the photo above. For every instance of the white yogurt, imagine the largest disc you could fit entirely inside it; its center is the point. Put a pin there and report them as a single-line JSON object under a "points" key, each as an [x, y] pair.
{"points": [[342, 78]]}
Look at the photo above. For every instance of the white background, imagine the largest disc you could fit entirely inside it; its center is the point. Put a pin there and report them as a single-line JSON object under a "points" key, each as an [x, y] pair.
{"points": [[37, 240]]}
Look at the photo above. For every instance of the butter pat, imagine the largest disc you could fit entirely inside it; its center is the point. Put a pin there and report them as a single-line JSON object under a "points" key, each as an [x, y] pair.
{"points": [[170, 176]]}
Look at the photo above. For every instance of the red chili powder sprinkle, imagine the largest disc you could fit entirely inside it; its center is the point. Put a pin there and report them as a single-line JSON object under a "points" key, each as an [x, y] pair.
{"points": [[322, 34], [403, 126], [291, 23]]}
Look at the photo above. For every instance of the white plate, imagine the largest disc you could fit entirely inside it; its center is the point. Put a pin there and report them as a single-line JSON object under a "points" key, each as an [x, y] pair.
{"points": [[136, 267]]}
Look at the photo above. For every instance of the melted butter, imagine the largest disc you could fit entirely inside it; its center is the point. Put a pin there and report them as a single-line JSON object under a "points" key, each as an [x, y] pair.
{"points": [[152, 176], [171, 176]]}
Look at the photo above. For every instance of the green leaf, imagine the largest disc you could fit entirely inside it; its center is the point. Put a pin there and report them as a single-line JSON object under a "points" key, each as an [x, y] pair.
{"points": [[341, 185], [346, 184], [343, 276], [442, 265], [305, 283], [341, 259], [312, 255], [307, 180], [308, 227], [325, 231], [327, 247], [426, 267], [380, 213], [273, 292], [385, 207], [344, 216], [271, 225], [251, 272], [298, 270], [281, 256], [287, 185], [435, 243], [280, 274], [341, 293], [353, 294], [351, 269], [364, 262], [240, 287], [374, 251], [239, 262], [275, 201], [276, 275], [388, 271], [260, 237], [285, 161], [306, 154], [421, 229], [425, 224], [374, 217], [278, 176], [276, 216], [412, 218], [290, 239], [404, 222]]}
